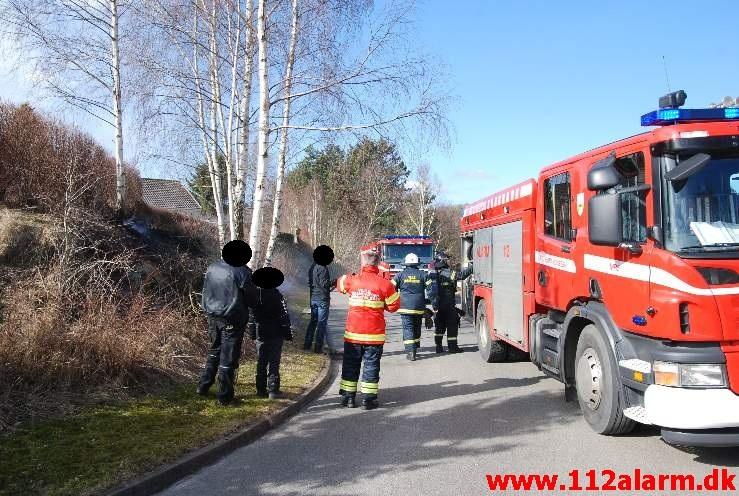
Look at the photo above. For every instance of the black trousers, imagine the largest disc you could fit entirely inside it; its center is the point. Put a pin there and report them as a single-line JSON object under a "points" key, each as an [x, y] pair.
{"points": [[354, 354], [269, 352], [446, 320], [223, 356]]}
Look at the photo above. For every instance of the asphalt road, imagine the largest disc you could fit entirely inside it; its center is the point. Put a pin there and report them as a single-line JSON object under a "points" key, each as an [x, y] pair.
{"points": [[445, 421]]}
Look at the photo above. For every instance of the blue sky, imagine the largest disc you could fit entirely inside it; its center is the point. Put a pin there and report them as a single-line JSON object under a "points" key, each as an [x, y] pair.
{"points": [[538, 81]]}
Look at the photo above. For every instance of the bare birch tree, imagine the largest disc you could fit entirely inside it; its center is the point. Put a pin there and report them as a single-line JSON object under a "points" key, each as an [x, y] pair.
{"points": [[419, 207], [199, 74], [75, 49], [282, 153], [255, 233]]}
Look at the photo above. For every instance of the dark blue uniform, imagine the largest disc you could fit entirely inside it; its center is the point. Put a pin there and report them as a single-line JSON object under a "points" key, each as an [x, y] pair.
{"points": [[442, 284], [411, 284]]}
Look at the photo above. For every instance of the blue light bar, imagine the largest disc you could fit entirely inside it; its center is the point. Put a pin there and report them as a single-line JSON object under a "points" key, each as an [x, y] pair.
{"points": [[666, 117], [405, 236]]}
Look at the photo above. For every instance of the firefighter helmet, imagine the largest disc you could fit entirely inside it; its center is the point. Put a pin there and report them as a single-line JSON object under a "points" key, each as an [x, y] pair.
{"points": [[441, 260], [411, 259]]}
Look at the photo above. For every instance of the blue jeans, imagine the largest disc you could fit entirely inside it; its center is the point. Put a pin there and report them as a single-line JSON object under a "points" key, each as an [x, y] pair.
{"points": [[318, 323], [354, 354]]}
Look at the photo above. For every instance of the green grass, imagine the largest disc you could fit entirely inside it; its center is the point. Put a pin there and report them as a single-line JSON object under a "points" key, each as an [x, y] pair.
{"points": [[103, 445]]}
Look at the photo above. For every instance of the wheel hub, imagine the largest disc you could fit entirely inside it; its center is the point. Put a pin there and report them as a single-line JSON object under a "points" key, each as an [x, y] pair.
{"points": [[484, 336], [589, 375]]}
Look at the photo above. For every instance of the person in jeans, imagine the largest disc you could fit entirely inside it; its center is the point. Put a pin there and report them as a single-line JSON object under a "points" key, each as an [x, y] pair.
{"points": [[269, 327], [225, 306], [320, 285]]}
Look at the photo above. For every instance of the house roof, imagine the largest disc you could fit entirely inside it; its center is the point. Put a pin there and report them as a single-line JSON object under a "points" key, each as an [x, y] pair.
{"points": [[167, 193]]}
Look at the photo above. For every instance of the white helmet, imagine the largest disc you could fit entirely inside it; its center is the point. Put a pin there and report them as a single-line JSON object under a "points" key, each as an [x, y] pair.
{"points": [[411, 259]]}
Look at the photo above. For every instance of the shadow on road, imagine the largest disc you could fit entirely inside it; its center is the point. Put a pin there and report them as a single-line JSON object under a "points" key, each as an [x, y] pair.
{"points": [[349, 451]]}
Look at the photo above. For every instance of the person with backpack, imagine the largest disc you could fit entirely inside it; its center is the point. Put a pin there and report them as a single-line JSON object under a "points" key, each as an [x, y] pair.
{"points": [[269, 327], [225, 305]]}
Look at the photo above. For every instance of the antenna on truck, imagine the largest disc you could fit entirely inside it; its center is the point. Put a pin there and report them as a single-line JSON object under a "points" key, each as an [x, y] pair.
{"points": [[667, 76]]}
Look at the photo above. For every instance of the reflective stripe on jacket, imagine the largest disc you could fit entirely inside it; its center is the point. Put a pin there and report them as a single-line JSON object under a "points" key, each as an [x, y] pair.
{"points": [[411, 284], [369, 297]]}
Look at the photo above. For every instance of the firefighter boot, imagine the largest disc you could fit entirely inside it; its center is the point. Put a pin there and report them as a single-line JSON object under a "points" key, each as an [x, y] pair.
{"points": [[439, 348], [455, 349], [370, 403], [411, 355], [348, 400]]}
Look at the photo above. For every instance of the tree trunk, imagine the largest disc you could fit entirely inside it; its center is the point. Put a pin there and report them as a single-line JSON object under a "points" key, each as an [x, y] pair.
{"points": [[215, 180], [213, 69], [277, 202], [120, 176], [255, 233], [243, 160]]}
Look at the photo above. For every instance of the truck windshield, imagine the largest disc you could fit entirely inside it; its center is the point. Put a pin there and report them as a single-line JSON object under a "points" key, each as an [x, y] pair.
{"points": [[702, 211], [396, 253]]}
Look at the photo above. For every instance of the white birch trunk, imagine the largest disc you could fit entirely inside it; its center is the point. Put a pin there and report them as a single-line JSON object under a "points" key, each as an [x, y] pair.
{"points": [[214, 104], [277, 203], [120, 175], [255, 233], [242, 166], [215, 181]]}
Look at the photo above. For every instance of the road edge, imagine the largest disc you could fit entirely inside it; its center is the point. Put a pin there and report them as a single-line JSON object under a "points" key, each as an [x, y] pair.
{"points": [[165, 476]]}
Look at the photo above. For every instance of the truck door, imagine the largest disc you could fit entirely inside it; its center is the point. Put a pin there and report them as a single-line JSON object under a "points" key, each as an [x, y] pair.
{"points": [[467, 256], [618, 276], [555, 264]]}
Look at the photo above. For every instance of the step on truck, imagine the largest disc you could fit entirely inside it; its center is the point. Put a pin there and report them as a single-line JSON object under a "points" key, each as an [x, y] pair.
{"points": [[394, 247], [617, 273]]}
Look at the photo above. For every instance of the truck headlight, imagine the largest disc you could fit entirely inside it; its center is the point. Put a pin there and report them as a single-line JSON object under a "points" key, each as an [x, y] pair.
{"points": [[689, 374]]}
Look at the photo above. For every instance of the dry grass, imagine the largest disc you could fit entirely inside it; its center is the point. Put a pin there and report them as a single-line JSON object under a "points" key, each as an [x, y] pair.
{"points": [[98, 309]]}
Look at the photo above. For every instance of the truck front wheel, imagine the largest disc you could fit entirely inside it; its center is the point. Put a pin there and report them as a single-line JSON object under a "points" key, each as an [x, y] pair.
{"points": [[598, 386], [492, 350]]}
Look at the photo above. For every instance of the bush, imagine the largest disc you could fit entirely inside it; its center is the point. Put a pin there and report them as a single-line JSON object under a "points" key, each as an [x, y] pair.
{"points": [[43, 163], [88, 307]]}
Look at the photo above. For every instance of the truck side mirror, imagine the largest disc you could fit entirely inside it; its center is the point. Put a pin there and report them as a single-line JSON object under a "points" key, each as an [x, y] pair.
{"points": [[604, 220], [604, 175]]}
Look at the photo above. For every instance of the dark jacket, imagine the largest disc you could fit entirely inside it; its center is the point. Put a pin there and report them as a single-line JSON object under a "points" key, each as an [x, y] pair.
{"points": [[224, 292], [411, 284], [270, 318], [442, 285], [319, 283]]}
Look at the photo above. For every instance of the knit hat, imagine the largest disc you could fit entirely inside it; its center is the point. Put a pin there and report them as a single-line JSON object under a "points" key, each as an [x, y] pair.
{"points": [[370, 257]]}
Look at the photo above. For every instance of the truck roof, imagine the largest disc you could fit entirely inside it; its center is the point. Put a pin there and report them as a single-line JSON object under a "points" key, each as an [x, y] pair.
{"points": [[511, 200], [664, 133]]}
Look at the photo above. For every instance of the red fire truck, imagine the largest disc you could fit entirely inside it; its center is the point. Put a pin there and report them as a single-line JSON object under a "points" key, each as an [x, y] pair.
{"points": [[393, 249], [617, 271]]}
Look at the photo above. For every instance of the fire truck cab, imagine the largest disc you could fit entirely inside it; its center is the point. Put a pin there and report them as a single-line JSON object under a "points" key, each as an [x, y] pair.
{"points": [[393, 248], [617, 271]]}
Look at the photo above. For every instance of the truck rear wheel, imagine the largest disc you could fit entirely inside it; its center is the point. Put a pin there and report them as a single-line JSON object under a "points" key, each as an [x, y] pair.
{"points": [[492, 350], [598, 386]]}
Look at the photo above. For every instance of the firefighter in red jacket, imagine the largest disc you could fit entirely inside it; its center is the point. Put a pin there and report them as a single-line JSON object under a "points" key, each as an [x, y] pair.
{"points": [[369, 296]]}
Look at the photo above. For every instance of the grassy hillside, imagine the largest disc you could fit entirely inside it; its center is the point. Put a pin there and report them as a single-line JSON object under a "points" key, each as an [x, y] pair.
{"points": [[101, 334]]}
